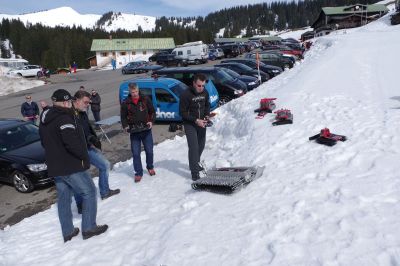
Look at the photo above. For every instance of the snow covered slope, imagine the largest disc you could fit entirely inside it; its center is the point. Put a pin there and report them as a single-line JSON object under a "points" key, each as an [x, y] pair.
{"points": [[66, 16], [314, 205]]}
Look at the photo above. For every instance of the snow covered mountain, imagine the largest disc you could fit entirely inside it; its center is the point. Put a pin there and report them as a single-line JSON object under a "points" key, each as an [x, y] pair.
{"points": [[67, 17], [314, 205]]}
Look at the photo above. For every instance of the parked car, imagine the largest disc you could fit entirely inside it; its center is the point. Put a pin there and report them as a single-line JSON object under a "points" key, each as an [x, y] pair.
{"points": [[230, 50], [164, 94], [153, 58], [228, 88], [22, 161], [170, 60], [272, 71], [289, 56], [192, 52], [250, 81], [134, 67], [26, 71], [217, 52], [242, 69], [273, 59]]}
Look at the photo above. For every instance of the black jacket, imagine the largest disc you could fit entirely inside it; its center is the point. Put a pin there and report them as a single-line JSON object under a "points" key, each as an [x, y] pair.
{"points": [[64, 142], [137, 114], [95, 102], [29, 110], [193, 105], [90, 134]]}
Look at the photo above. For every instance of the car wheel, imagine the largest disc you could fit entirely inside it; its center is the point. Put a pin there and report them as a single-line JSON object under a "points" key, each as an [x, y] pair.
{"points": [[197, 61], [286, 66], [179, 64], [21, 182], [123, 72], [19, 74], [223, 100]]}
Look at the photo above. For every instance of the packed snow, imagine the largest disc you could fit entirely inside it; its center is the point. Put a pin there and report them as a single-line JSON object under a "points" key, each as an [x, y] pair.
{"points": [[11, 84], [313, 205], [68, 17]]}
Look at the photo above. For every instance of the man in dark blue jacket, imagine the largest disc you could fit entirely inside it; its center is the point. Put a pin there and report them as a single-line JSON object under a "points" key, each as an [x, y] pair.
{"points": [[194, 107], [30, 109]]}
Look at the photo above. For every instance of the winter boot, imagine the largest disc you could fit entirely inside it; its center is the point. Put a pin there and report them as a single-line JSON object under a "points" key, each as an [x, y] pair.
{"points": [[98, 230], [138, 178], [74, 233], [111, 193], [151, 172]]}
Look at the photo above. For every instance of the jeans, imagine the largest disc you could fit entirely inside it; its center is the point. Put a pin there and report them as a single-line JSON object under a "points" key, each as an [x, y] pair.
{"points": [[82, 184], [100, 162], [96, 115], [137, 139], [196, 139]]}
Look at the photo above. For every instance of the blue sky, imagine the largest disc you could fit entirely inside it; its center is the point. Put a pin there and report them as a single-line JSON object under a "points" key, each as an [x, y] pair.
{"points": [[141, 7]]}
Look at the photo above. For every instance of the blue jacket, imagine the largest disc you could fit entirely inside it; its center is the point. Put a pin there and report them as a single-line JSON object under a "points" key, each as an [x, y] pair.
{"points": [[29, 110]]}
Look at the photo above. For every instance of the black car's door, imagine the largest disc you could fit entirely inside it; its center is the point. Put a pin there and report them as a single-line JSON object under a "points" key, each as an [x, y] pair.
{"points": [[5, 170]]}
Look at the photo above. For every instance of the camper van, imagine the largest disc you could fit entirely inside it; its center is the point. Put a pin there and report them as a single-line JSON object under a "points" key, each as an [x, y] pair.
{"points": [[192, 52], [13, 62]]}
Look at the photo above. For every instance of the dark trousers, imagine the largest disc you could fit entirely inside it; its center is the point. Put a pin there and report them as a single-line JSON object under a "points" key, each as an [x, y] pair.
{"points": [[196, 139], [145, 137], [96, 115]]}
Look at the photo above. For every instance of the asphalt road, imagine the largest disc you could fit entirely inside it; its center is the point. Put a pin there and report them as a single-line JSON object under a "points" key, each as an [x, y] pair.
{"points": [[15, 206]]}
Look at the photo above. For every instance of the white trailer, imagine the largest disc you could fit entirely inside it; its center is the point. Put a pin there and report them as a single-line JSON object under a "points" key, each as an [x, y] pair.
{"points": [[193, 52]]}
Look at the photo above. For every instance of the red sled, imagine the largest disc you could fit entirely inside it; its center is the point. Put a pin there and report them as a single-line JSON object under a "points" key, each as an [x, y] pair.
{"points": [[325, 137], [283, 117]]}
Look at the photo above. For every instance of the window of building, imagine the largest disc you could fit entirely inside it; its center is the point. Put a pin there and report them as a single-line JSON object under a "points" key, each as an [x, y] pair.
{"points": [[144, 52], [105, 54], [122, 53], [133, 52]]}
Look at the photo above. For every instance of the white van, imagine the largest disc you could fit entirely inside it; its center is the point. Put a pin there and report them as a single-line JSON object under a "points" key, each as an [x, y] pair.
{"points": [[193, 52]]}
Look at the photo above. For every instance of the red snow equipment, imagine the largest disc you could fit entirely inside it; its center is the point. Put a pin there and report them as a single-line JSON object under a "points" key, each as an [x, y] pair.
{"points": [[283, 117], [267, 105], [325, 137]]}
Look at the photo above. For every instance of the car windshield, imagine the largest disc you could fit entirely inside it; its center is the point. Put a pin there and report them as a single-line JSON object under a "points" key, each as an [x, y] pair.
{"points": [[18, 136], [246, 68], [231, 72], [178, 88], [223, 76]]}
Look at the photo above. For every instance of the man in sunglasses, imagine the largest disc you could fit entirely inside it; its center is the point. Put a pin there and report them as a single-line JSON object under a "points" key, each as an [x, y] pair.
{"points": [[194, 107], [80, 103], [30, 109]]}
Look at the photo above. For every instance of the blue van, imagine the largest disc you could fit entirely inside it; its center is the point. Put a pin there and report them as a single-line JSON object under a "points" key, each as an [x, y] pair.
{"points": [[165, 93]]}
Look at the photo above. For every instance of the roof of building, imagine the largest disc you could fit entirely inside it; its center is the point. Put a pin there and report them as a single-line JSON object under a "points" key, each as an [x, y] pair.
{"points": [[353, 9], [132, 44]]}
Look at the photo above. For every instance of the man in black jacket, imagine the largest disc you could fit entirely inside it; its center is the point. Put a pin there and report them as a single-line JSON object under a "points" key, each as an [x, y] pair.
{"points": [[137, 117], [95, 101], [80, 104], [67, 162], [194, 108]]}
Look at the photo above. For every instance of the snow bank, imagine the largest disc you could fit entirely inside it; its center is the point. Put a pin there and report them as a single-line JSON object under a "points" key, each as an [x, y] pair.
{"points": [[314, 205], [11, 84]]}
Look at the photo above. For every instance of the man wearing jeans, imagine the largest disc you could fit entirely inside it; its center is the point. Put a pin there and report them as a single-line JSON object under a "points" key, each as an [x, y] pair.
{"points": [[80, 103], [67, 161], [194, 108], [137, 117]]}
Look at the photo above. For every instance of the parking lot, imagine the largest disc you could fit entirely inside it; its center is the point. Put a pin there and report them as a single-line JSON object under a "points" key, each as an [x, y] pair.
{"points": [[15, 206]]}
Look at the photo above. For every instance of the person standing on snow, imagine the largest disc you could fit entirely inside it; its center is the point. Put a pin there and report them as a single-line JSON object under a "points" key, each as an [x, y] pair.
{"points": [[30, 110], [67, 162], [80, 104], [137, 117], [194, 108]]}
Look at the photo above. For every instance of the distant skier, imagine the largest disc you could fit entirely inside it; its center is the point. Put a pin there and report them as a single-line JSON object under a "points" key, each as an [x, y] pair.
{"points": [[137, 117], [194, 107], [30, 110]]}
